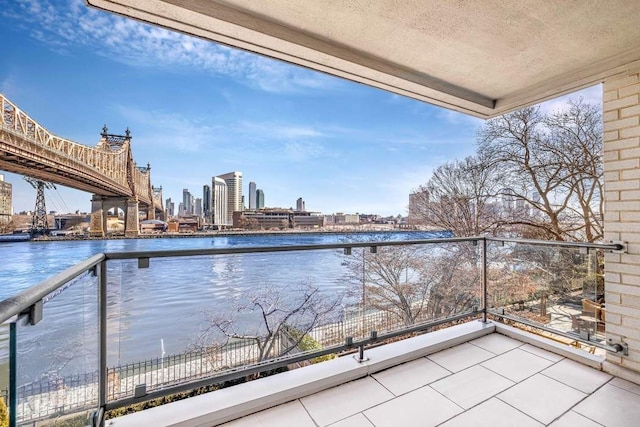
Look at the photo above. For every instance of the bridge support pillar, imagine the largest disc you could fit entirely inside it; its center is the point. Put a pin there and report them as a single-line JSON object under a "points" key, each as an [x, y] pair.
{"points": [[132, 224], [98, 218], [151, 212]]}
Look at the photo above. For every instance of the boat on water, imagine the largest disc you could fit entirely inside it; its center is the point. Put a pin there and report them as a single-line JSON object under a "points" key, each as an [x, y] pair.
{"points": [[15, 237]]}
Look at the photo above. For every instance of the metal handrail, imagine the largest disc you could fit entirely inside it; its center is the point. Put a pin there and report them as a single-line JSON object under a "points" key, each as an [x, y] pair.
{"points": [[20, 303], [613, 246], [288, 248]]}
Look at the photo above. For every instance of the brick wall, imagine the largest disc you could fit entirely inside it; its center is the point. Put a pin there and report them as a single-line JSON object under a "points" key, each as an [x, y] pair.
{"points": [[621, 114]]}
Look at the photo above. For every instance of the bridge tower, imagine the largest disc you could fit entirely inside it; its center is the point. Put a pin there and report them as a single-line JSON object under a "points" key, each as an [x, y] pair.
{"points": [[100, 205], [39, 221]]}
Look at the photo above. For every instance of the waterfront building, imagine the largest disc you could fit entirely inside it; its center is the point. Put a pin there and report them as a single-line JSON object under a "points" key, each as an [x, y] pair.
{"points": [[259, 199], [206, 202], [219, 202], [6, 207], [252, 195], [277, 218], [234, 193]]}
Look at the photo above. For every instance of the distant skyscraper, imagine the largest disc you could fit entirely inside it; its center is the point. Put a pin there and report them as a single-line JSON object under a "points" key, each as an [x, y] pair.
{"points": [[219, 202], [259, 199], [198, 207], [187, 202], [170, 207], [252, 195], [300, 205], [234, 193], [206, 202], [6, 207]]}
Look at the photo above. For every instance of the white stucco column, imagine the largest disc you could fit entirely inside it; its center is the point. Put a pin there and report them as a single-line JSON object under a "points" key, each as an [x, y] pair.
{"points": [[621, 114]]}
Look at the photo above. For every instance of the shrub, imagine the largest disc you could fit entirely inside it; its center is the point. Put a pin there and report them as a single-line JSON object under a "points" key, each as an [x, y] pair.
{"points": [[309, 344], [4, 414]]}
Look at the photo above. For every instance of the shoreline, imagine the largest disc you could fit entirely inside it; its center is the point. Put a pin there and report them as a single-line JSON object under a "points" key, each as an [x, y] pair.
{"points": [[224, 233]]}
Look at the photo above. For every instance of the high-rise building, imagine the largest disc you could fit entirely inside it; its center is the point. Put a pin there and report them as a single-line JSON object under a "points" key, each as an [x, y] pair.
{"points": [[187, 202], [198, 207], [6, 207], [170, 206], [206, 202], [252, 195], [259, 199], [219, 202], [300, 205], [234, 193]]}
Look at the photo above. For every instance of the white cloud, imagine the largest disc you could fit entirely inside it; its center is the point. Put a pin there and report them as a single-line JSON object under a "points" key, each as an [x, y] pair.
{"points": [[171, 130], [65, 26], [302, 151]]}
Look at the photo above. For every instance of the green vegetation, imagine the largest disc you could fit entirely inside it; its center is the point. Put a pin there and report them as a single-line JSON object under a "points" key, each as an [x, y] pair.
{"points": [[4, 414], [307, 343]]}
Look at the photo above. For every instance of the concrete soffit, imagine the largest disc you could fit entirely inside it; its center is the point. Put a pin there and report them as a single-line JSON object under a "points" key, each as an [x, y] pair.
{"points": [[232, 23]]}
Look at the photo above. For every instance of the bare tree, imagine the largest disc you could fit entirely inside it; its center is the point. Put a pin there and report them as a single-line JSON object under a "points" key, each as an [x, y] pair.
{"points": [[576, 140], [458, 198], [549, 163], [455, 273], [264, 316], [393, 281]]}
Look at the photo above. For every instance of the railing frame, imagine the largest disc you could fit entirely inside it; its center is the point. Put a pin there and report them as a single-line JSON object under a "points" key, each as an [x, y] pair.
{"points": [[29, 303]]}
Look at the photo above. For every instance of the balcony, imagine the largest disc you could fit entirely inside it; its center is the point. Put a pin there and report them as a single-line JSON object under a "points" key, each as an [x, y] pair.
{"points": [[469, 305], [503, 377]]}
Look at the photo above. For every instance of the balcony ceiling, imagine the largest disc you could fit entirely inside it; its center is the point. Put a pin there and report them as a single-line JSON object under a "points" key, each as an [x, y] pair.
{"points": [[479, 57]]}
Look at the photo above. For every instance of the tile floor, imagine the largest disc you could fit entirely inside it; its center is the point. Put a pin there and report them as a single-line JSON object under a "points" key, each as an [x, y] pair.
{"points": [[490, 381]]}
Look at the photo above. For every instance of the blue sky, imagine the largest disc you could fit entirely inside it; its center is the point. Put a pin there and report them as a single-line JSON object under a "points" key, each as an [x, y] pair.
{"points": [[197, 109]]}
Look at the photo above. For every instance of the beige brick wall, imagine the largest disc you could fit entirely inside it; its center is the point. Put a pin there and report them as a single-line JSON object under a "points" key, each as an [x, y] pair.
{"points": [[621, 115]]}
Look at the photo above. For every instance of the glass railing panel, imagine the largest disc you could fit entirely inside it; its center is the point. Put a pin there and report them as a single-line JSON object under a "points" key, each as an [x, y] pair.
{"points": [[187, 318], [561, 288], [404, 286], [182, 319], [57, 358]]}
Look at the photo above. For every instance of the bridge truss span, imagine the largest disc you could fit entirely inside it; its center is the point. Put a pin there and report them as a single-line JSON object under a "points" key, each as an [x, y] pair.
{"points": [[106, 170]]}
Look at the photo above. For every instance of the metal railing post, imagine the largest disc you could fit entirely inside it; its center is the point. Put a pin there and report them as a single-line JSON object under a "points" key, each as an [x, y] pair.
{"points": [[13, 377], [484, 280], [102, 372]]}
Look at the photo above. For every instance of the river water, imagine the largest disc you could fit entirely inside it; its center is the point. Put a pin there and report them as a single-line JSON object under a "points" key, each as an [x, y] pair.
{"points": [[161, 309]]}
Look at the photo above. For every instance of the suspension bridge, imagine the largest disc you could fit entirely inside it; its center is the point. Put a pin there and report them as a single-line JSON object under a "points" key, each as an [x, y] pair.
{"points": [[108, 170]]}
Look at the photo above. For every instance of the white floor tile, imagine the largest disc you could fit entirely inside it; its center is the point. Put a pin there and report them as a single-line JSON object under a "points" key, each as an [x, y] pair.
{"points": [[542, 353], [626, 385], [496, 343], [517, 364], [410, 376], [492, 413], [340, 402], [469, 387], [576, 375], [357, 420], [422, 407], [288, 414], [542, 398], [611, 406], [461, 357], [573, 419]]}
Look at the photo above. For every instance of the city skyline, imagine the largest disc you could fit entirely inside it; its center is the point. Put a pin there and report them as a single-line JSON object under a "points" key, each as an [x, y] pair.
{"points": [[194, 106]]}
